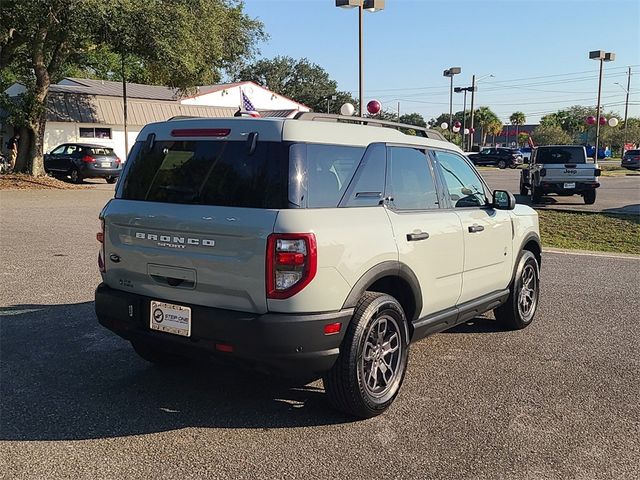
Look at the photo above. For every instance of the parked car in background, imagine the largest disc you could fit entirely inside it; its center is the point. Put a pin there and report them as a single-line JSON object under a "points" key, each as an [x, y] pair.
{"points": [[82, 160], [526, 154], [501, 157], [631, 160], [562, 170]]}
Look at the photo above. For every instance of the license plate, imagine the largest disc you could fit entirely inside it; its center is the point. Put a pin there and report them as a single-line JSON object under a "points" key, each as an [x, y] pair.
{"points": [[570, 185], [170, 318], [105, 164]]}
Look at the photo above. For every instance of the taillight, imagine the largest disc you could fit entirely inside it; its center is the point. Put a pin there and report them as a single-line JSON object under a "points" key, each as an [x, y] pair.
{"points": [[118, 161], [292, 262], [88, 159], [101, 255]]}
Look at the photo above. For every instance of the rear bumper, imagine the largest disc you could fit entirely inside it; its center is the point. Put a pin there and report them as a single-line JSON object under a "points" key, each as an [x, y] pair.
{"points": [[558, 187], [91, 171], [286, 344]]}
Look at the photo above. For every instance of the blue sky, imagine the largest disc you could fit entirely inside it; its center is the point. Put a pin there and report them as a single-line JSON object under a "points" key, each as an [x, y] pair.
{"points": [[537, 50]]}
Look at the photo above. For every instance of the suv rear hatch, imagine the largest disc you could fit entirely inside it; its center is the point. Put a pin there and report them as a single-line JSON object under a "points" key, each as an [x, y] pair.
{"points": [[191, 217], [566, 164]]}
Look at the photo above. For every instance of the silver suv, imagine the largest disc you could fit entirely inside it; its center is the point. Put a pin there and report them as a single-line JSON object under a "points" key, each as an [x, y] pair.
{"points": [[315, 247]]}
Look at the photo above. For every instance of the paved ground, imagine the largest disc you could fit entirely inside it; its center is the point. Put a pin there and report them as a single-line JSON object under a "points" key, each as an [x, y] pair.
{"points": [[616, 194], [558, 400]]}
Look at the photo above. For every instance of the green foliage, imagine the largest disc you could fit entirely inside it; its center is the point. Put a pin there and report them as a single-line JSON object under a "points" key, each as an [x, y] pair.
{"points": [[517, 118], [413, 119], [179, 43], [549, 134], [300, 80]]}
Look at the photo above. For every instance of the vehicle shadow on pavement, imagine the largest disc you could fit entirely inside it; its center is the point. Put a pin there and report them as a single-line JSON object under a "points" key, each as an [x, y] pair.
{"points": [[64, 377], [477, 325]]}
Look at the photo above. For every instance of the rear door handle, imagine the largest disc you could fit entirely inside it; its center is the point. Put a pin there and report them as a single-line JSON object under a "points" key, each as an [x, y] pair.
{"points": [[476, 228], [414, 237]]}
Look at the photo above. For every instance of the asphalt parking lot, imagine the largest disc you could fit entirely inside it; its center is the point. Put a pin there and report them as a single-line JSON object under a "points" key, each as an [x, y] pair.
{"points": [[620, 194], [557, 400]]}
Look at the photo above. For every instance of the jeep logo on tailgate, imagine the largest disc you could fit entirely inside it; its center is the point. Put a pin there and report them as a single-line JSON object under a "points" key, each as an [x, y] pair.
{"points": [[570, 170], [174, 241]]}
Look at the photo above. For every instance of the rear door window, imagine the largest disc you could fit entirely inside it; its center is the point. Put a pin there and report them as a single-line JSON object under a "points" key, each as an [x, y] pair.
{"points": [[208, 173], [410, 182]]}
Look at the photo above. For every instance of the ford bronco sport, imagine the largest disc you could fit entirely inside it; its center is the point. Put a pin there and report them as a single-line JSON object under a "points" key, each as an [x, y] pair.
{"points": [[560, 169], [316, 247]]}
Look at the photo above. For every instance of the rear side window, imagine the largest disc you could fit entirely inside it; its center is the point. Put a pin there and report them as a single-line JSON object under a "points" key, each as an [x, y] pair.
{"points": [[100, 151], [633, 152], [319, 174], [409, 180], [219, 173], [561, 155]]}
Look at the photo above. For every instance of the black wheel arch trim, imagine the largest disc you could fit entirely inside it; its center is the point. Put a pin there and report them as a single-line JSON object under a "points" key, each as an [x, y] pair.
{"points": [[531, 236], [386, 269]]}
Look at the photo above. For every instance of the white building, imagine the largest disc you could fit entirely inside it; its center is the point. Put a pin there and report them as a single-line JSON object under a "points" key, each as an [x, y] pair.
{"points": [[91, 111]]}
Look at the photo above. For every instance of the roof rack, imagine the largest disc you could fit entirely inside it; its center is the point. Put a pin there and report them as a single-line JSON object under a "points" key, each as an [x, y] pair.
{"points": [[326, 117]]}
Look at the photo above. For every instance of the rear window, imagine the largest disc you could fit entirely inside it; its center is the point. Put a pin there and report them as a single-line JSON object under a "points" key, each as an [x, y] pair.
{"points": [[561, 155], [208, 173], [100, 151], [633, 152]]}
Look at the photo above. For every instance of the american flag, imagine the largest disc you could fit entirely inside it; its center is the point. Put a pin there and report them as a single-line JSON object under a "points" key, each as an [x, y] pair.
{"points": [[248, 107]]}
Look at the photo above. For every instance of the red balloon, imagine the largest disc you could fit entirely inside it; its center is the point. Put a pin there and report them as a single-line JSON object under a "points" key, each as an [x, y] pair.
{"points": [[457, 124], [591, 120], [472, 130], [603, 121], [374, 107]]}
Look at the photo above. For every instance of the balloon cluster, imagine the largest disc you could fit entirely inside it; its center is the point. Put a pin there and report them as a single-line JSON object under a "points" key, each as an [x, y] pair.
{"points": [[612, 122]]}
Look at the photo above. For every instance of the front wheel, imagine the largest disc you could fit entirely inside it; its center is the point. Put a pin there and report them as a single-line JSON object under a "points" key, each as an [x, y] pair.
{"points": [[502, 164], [589, 197], [367, 375], [519, 309], [75, 176], [513, 166]]}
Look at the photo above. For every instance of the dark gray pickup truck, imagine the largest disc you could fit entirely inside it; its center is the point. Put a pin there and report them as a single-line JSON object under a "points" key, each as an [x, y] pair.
{"points": [[562, 170]]}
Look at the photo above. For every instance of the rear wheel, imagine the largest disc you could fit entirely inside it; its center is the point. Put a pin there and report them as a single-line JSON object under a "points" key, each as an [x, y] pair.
{"points": [[156, 356], [589, 197], [519, 309], [75, 176], [502, 164], [536, 195], [523, 190], [111, 179], [367, 376]]}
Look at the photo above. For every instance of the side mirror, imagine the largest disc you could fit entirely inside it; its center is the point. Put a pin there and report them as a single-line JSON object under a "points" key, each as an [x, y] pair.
{"points": [[503, 200]]}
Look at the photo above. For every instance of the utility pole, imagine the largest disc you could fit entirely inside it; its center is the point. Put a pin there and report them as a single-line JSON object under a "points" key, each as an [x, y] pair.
{"points": [[473, 94], [124, 100], [626, 104], [398, 112]]}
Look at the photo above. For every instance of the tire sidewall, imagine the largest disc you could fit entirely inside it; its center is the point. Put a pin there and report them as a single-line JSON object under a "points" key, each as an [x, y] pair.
{"points": [[526, 258]]}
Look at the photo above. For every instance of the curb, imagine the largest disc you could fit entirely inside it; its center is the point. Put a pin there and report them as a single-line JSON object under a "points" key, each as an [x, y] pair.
{"points": [[591, 253]]}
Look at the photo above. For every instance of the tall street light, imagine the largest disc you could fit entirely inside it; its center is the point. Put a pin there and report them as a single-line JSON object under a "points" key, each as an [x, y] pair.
{"points": [[370, 6], [464, 111], [602, 56], [473, 94], [450, 72]]}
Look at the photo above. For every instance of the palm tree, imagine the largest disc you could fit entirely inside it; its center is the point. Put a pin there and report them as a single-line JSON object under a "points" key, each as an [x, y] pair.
{"points": [[517, 119], [485, 117], [495, 127]]}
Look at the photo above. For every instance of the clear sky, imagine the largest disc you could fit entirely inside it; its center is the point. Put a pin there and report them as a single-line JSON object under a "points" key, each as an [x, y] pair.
{"points": [[537, 50]]}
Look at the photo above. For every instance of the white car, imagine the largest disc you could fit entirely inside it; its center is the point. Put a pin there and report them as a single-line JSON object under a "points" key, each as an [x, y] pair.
{"points": [[315, 247]]}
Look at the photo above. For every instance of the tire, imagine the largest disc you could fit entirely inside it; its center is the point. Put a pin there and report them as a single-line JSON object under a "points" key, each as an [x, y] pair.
{"points": [[111, 180], [520, 308], [536, 195], [156, 356], [523, 190], [350, 384], [589, 197], [502, 164], [75, 176], [513, 166]]}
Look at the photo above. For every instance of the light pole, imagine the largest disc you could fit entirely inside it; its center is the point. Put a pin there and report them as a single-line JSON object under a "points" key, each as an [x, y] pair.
{"points": [[450, 72], [329, 99], [370, 6], [473, 94], [602, 56]]}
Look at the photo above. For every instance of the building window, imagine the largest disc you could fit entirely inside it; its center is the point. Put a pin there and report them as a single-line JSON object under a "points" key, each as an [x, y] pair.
{"points": [[95, 132]]}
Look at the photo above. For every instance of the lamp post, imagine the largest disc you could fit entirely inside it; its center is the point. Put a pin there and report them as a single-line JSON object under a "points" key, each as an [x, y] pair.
{"points": [[473, 92], [602, 56], [450, 72], [464, 110], [370, 6]]}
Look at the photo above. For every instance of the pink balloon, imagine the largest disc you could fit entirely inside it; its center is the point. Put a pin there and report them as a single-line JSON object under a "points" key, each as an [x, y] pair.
{"points": [[457, 124], [591, 120], [374, 107], [603, 121]]}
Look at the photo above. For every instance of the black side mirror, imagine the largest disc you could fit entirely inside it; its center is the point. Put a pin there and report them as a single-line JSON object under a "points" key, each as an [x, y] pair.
{"points": [[503, 200]]}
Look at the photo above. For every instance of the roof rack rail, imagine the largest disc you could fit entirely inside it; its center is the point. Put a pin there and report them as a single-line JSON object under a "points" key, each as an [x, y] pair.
{"points": [[326, 117], [182, 117]]}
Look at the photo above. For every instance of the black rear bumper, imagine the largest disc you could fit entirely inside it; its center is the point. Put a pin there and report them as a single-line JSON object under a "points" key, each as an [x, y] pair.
{"points": [[558, 187], [292, 345]]}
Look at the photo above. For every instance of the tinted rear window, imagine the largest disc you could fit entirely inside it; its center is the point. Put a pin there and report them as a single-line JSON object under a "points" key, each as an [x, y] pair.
{"points": [[208, 173], [561, 155], [633, 152], [100, 151]]}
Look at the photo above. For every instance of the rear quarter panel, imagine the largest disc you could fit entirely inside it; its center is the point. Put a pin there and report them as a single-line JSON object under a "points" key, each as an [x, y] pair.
{"points": [[350, 242]]}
